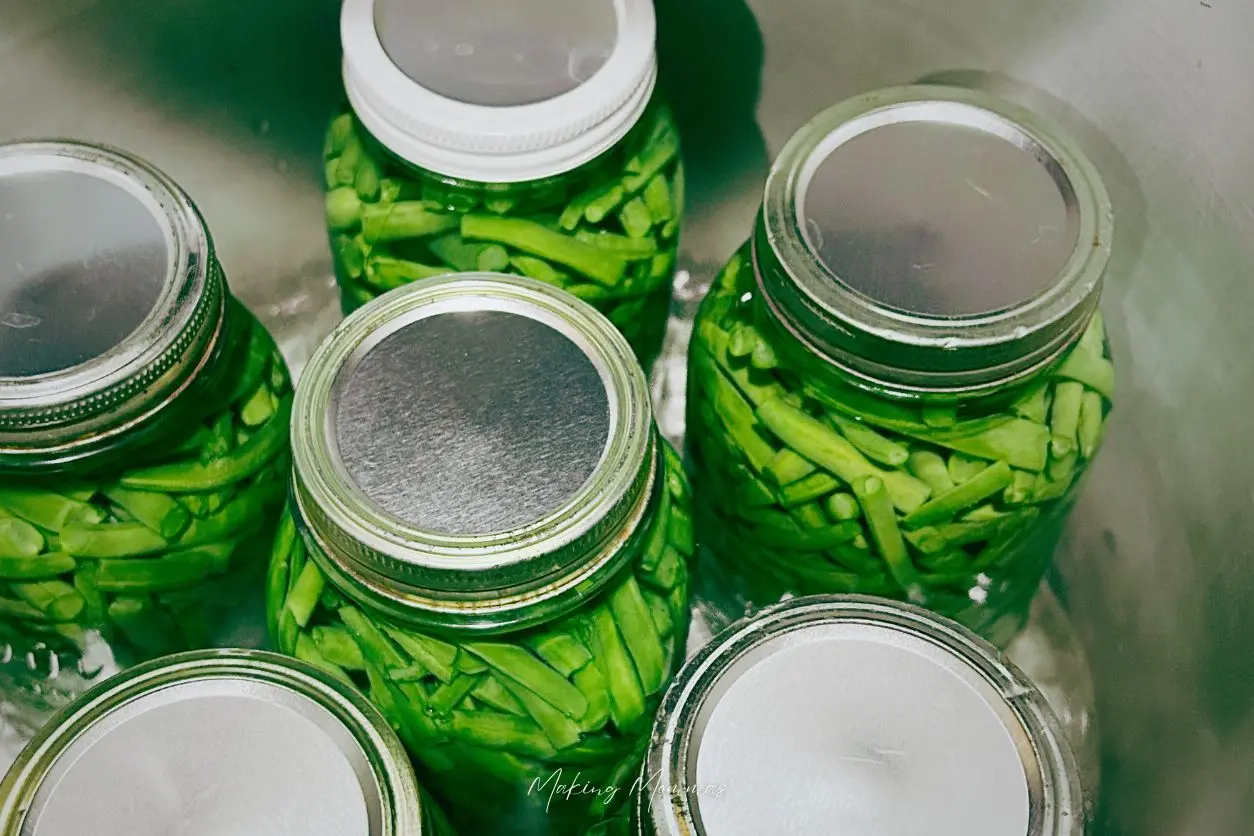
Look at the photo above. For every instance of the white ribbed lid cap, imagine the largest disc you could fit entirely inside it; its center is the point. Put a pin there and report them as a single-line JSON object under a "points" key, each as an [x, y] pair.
{"points": [[495, 90]]}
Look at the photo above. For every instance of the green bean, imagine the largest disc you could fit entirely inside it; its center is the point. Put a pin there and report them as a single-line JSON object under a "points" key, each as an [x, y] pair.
{"points": [[1034, 403], [111, 540], [930, 469], [306, 650], [636, 627], [170, 571], [433, 654], [158, 511], [405, 219], [564, 653], [653, 159], [657, 198], [962, 469], [340, 130], [636, 218], [304, 595], [490, 690], [537, 240], [842, 506], [558, 727], [871, 444], [368, 182], [627, 699], [38, 567], [618, 246], [600, 206], [1092, 370], [872, 494], [388, 273], [592, 681], [516, 664], [502, 731], [19, 539], [1091, 420], [451, 694], [1064, 418], [832, 452], [763, 356], [241, 463], [786, 467], [338, 647], [350, 156], [538, 269], [343, 208], [350, 254], [943, 507], [48, 510]]}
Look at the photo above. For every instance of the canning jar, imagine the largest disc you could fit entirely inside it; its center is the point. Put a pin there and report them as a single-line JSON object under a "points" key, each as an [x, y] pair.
{"points": [[516, 138], [219, 741], [897, 384], [850, 714], [143, 428], [489, 537]]}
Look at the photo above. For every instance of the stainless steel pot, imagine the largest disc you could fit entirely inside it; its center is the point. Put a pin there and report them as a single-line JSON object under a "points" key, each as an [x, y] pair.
{"points": [[230, 97]]}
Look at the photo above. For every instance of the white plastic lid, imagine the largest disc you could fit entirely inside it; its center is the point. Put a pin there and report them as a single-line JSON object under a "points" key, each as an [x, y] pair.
{"points": [[496, 91]]}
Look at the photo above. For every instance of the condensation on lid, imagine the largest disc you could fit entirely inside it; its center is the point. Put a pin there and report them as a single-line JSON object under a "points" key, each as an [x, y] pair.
{"points": [[857, 728], [84, 258], [204, 758], [472, 422], [938, 208], [495, 53]]}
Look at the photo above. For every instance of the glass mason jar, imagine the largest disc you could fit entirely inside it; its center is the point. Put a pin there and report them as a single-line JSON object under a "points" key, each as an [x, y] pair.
{"points": [[276, 746], [143, 429], [850, 714], [897, 384], [489, 537], [494, 136]]}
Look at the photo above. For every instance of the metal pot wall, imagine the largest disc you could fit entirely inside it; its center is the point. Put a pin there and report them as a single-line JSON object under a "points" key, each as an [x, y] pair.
{"points": [[230, 97]]}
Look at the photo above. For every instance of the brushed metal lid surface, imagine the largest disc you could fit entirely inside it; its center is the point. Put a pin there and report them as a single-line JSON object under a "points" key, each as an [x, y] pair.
{"points": [[471, 422]]}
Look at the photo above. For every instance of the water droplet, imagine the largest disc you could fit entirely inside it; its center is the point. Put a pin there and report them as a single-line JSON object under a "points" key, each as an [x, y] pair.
{"points": [[464, 49]]}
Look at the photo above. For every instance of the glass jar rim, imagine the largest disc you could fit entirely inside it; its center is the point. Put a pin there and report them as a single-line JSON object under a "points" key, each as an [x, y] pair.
{"points": [[491, 581], [1055, 799], [385, 769], [49, 419], [918, 355]]}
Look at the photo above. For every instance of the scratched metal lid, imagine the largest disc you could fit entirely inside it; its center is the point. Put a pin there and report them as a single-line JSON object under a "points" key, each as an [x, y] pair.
{"points": [[935, 238], [109, 296], [844, 714], [238, 742], [469, 446]]}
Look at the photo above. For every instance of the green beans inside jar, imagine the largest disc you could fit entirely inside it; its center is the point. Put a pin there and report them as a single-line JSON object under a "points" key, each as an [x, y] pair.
{"points": [[488, 536], [897, 384], [507, 138], [220, 741], [143, 428]]}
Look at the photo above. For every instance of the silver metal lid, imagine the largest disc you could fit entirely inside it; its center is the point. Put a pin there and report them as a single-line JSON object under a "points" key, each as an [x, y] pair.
{"points": [[109, 296], [232, 742], [933, 238], [498, 54], [468, 447], [837, 714]]}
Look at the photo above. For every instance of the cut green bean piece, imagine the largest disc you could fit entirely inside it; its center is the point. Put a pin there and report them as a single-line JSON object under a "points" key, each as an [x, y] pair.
{"points": [[843, 507], [489, 690], [390, 273], [405, 219], [636, 219], [451, 694], [619, 246], [651, 160], [338, 133], [538, 240], [786, 467], [343, 208], [350, 157], [436, 656], [882, 523], [962, 469], [39, 567], [1091, 370], [601, 205], [1064, 418], [307, 651], [560, 729], [1089, 431], [944, 507], [627, 700], [657, 197], [636, 627], [112, 540], [738, 418], [828, 449], [48, 510], [170, 571], [159, 511], [564, 653], [669, 571], [243, 462], [305, 592], [812, 487], [502, 731], [517, 664], [591, 680], [19, 539], [930, 469], [337, 646], [873, 445], [1033, 404], [538, 269], [1020, 488]]}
